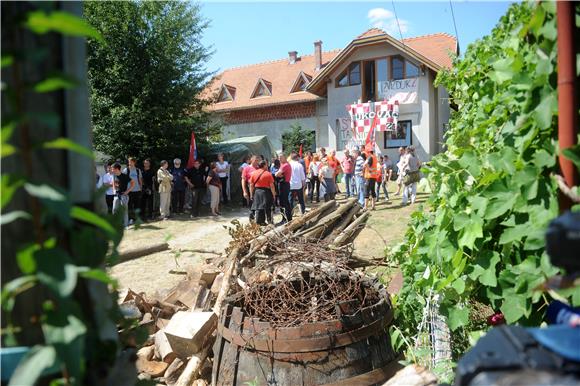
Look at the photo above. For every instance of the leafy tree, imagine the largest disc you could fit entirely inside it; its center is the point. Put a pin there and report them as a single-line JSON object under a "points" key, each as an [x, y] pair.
{"points": [[481, 243], [296, 136], [146, 80]]}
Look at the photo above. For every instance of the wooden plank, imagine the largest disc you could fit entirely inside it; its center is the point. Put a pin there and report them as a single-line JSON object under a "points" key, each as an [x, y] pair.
{"points": [[187, 332], [229, 361], [219, 346]]}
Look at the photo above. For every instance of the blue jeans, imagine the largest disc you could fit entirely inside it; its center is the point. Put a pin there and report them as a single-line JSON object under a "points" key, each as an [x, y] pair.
{"points": [[360, 187], [348, 182]]}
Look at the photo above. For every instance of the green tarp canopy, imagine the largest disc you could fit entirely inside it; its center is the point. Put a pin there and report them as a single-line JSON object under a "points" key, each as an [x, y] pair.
{"points": [[234, 151]]}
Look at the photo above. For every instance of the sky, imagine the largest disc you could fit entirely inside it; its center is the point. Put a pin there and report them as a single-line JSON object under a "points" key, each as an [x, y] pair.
{"points": [[242, 32]]}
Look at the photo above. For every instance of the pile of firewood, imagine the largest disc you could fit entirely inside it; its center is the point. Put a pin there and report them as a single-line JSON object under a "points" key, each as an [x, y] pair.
{"points": [[182, 326], [179, 329]]}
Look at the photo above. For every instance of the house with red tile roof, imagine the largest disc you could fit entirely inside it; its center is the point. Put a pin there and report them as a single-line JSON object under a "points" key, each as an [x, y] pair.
{"points": [[314, 90]]}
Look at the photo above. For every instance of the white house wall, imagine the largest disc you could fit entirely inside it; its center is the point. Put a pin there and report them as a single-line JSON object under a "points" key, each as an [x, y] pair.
{"points": [[273, 129], [425, 126]]}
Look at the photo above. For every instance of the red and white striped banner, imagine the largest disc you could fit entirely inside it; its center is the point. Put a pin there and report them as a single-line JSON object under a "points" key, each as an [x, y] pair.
{"points": [[363, 114]]}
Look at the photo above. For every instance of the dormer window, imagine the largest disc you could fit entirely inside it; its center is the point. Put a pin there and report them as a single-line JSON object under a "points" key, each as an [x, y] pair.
{"points": [[263, 88], [301, 82], [227, 93]]}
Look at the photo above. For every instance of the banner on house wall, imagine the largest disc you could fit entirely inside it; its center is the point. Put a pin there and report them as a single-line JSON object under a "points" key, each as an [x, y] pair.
{"points": [[364, 114], [403, 90]]}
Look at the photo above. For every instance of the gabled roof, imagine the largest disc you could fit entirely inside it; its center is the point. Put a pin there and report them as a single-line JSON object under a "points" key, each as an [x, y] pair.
{"points": [[280, 73], [302, 78], [433, 50]]}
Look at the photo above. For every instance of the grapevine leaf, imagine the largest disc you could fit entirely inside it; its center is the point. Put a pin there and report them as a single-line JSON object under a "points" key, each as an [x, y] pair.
{"points": [[545, 111], [97, 274], [6, 60], [25, 258], [516, 233], [471, 232], [514, 307], [32, 366], [498, 207], [573, 154], [67, 144], [459, 286], [63, 22], [87, 216], [458, 317], [7, 218], [56, 271], [55, 82]]}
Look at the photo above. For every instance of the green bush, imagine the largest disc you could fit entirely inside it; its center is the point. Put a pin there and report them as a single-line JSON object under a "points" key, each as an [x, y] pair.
{"points": [[481, 241]]}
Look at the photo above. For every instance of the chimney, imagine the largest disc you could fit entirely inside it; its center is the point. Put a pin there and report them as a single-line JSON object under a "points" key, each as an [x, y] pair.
{"points": [[292, 57], [318, 55]]}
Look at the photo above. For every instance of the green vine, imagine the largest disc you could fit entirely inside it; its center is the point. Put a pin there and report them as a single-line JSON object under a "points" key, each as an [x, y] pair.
{"points": [[63, 264], [480, 244]]}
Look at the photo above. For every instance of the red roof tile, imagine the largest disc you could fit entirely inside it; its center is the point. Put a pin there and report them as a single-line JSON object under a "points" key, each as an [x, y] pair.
{"points": [[280, 73], [438, 47]]}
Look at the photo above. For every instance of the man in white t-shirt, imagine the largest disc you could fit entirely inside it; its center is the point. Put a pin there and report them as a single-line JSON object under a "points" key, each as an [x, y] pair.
{"points": [[297, 182], [223, 171], [108, 180]]}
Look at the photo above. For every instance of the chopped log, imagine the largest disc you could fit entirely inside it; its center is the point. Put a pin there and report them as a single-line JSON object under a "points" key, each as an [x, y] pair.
{"points": [[142, 251], [184, 291], [163, 348], [285, 229], [188, 331], [174, 371], [328, 221], [314, 220], [350, 231], [191, 371], [208, 276], [146, 352], [204, 298], [153, 368], [346, 221], [413, 375], [217, 284], [161, 323]]}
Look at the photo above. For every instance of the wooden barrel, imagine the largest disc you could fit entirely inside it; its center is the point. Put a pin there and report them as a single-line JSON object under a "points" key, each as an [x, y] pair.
{"points": [[351, 350]]}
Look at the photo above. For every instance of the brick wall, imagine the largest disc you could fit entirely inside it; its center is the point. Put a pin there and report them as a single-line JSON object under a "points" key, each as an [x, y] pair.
{"points": [[290, 111]]}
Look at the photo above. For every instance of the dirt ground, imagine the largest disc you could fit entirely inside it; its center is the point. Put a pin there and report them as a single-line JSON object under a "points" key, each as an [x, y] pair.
{"points": [[192, 241]]}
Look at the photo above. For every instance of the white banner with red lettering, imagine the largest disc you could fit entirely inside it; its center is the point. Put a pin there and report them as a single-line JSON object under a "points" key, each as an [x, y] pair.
{"points": [[403, 90]]}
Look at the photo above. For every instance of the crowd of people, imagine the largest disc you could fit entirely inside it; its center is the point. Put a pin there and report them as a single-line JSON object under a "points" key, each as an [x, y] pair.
{"points": [[286, 181]]}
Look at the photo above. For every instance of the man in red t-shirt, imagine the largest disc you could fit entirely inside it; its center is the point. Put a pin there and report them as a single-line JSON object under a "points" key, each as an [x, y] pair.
{"points": [[246, 174], [262, 193], [284, 189]]}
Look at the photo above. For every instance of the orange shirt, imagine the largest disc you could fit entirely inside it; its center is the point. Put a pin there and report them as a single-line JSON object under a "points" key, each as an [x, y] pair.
{"points": [[261, 178], [307, 161]]}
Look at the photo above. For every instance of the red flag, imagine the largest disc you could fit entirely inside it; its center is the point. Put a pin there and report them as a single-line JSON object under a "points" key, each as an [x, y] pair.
{"points": [[192, 152], [300, 151], [370, 140]]}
